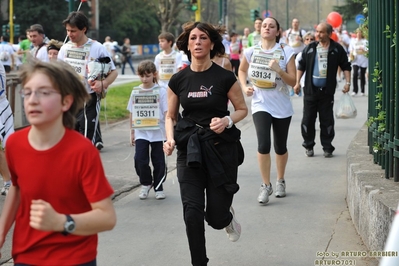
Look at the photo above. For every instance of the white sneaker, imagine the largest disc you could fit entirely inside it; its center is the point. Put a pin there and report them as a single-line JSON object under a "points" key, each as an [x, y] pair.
{"points": [[362, 94], [160, 195], [233, 230], [280, 189], [264, 193], [144, 192], [353, 93]]}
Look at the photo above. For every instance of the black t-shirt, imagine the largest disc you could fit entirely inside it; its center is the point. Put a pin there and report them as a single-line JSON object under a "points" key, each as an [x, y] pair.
{"points": [[203, 95]]}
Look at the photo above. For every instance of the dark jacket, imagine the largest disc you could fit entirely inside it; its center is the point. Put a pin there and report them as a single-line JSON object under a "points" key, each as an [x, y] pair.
{"points": [[337, 57], [126, 50], [201, 146]]}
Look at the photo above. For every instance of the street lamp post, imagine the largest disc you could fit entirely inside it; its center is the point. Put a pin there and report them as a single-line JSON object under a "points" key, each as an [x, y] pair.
{"points": [[220, 12], [225, 14], [11, 23], [287, 11], [71, 5], [198, 11]]}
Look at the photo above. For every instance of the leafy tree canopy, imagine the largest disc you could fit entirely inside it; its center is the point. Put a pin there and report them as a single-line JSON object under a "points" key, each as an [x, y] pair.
{"points": [[135, 19], [49, 14], [351, 9]]}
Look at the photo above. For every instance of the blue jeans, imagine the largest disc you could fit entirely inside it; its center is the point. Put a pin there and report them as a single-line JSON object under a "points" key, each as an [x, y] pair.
{"points": [[129, 61]]}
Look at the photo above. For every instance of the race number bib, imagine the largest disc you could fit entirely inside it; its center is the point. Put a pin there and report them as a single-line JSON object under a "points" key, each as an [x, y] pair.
{"points": [[292, 39], [244, 43], [322, 54], [259, 71], [77, 57], [360, 48], [166, 68], [146, 109], [256, 39]]}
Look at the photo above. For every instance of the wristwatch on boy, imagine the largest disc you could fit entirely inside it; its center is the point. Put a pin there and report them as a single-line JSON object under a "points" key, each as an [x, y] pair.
{"points": [[69, 226]]}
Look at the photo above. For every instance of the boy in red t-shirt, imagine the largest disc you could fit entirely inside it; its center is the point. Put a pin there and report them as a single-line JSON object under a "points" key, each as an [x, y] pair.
{"points": [[59, 198]]}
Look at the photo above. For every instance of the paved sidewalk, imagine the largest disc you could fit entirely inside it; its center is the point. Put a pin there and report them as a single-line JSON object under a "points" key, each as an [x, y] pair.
{"points": [[311, 223]]}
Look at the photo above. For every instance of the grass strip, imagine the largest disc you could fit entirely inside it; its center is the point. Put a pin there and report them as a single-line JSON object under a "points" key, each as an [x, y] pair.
{"points": [[113, 107]]}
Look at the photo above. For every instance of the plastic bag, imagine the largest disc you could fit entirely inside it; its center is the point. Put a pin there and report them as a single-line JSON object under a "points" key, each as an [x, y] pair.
{"points": [[345, 107]]}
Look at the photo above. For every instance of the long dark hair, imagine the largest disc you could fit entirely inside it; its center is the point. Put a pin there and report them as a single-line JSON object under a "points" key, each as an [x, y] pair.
{"points": [[214, 34]]}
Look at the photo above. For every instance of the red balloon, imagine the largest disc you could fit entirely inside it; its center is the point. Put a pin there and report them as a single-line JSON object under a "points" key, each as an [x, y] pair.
{"points": [[334, 36], [334, 19]]}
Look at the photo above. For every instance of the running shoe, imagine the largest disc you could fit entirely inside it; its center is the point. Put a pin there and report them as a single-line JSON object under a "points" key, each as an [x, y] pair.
{"points": [[309, 152], [160, 195], [264, 193], [99, 146], [280, 189], [233, 230], [144, 192]]}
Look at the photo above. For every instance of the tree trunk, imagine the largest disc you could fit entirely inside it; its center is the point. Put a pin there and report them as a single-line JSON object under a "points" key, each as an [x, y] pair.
{"points": [[168, 12]]}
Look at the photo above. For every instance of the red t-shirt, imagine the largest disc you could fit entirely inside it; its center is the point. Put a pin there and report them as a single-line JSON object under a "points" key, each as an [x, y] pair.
{"points": [[69, 176]]}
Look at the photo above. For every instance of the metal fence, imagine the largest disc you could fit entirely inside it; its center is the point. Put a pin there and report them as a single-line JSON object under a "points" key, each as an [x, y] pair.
{"points": [[13, 86], [383, 113]]}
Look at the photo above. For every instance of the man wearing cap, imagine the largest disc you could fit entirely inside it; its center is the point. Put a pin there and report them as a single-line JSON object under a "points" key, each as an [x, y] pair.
{"points": [[78, 52], [36, 36]]}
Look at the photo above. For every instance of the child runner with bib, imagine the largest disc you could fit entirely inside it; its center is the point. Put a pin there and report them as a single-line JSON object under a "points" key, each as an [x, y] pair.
{"points": [[148, 106], [168, 61]]}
